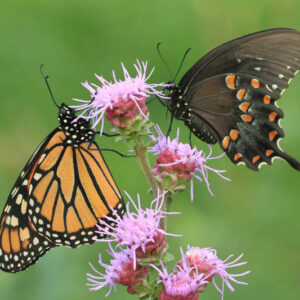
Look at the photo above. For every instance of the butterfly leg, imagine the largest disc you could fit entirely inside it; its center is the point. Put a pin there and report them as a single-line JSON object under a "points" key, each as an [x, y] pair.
{"points": [[108, 135], [170, 126], [115, 151], [190, 138], [161, 101]]}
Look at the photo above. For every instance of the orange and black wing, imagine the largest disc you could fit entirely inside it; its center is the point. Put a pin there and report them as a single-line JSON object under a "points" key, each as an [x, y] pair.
{"points": [[20, 244], [64, 192]]}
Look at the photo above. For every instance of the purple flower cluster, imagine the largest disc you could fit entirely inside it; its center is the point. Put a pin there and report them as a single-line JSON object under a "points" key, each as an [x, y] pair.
{"points": [[123, 100], [181, 161], [141, 243], [138, 241], [138, 237], [139, 231]]}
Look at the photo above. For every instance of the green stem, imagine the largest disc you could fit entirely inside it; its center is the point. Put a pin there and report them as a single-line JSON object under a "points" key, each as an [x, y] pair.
{"points": [[143, 160]]}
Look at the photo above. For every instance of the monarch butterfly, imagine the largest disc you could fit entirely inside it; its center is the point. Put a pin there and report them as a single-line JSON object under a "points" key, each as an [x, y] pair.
{"points": [[58, 197], [229, 95]]}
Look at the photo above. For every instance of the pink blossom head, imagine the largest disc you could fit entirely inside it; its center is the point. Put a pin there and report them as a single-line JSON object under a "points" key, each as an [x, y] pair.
{"points": [[208, 263], [139, 230], [178, 163], [122, 100], [121, 270], [183, 283]]}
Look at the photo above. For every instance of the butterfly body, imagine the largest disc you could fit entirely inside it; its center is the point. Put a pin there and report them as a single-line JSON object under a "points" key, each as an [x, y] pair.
{"points": [[229, 95], [59, 196]]}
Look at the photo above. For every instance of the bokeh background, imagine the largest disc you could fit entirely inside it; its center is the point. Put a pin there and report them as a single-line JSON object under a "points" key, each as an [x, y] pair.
{"points": [[256, 213]]}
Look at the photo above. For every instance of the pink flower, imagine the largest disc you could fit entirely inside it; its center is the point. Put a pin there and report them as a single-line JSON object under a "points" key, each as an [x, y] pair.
{"points": [[121, 270], [124, 101], [139, 231], [181, 162], [124, 112], [183, 283], [208, 263]]}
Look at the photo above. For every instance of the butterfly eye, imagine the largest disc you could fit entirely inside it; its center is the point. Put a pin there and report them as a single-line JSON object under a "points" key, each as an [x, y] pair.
{"points": [[63, 111]]}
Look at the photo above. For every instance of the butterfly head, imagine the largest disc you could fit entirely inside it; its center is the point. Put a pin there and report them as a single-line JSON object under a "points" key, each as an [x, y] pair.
{"points": [[177, 103], [76, 129], [66, 112]]}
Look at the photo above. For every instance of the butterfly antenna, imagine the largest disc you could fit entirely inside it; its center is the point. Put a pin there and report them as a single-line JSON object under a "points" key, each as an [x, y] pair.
{"points": [[161, 57], [184, 56], [48, 86]]}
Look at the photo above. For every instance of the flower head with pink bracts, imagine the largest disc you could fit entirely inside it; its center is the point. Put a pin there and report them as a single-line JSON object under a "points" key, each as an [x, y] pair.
{"points": [[207, 262], [122, 100], [183, 283], [121, 270], [139, 231], [177, 163]]}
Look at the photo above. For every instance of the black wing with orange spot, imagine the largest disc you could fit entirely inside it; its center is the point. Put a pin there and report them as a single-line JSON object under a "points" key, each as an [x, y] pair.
{"points": [[229, 95]]}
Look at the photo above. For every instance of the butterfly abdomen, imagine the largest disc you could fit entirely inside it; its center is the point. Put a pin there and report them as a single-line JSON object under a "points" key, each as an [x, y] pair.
{"points": [[201, 129]]}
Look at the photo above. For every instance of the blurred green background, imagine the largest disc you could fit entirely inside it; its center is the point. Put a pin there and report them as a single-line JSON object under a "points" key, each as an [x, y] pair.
{"points": [[255, 213]]}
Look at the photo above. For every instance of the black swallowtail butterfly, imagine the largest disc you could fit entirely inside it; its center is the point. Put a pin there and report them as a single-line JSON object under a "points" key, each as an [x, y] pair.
{"points": [[229, 95]]}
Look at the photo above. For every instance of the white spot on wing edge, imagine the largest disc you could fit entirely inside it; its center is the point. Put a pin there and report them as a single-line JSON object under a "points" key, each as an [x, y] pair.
{"points": [[24, 207], [19, 199], [42, 158], [14, 191], [14, 221], [268, 88], [37, 176]]}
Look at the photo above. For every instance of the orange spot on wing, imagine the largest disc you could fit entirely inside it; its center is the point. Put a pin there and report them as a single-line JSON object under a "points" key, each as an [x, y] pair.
{"points": [[93, 196], [84, 212], [237, 156], [24, 234], [269, 152], [230, 81], [255, 83], [272, 116], [267, 99], [240, 94], [47, 207], [65, 172], [244, 106], [2, 221], [41, 188], [58, 138], [234, 134], [15, 240], [25, 244], [5, 243], [58, 223], [255, 158], [246, 118], [73, 224], [225, 142], [32, 172], [51, 159], [98, 157], [272, 135]]}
